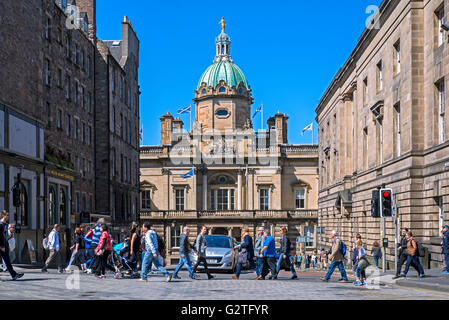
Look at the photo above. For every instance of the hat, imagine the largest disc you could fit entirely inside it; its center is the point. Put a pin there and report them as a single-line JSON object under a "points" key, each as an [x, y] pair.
{"points": [[446, 227]]}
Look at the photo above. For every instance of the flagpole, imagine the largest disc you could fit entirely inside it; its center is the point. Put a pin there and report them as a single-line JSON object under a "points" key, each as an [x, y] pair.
{"points": [[261, 118], [190, 118]]}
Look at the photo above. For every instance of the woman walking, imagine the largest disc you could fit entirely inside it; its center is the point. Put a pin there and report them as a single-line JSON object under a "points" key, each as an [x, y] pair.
{"points": [[376, 251], [361, 264], [246, 254], [135, 254], [413, 255], [103, 251]]}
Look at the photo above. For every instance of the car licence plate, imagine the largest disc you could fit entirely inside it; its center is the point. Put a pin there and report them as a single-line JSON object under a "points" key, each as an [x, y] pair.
{"points": [[211, 261]]}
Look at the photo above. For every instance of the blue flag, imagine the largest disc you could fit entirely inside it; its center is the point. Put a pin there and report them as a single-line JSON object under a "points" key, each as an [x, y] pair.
{"points": [[259, 109], [187, 175], [184, 110]]}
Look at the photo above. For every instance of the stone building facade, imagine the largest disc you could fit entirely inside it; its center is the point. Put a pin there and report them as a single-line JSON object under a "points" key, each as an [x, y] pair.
{"points": [[236, 177], [117, 123], [382, 120], [47, 116]]}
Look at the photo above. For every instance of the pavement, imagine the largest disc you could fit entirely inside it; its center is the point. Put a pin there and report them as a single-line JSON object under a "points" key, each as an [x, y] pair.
{"points": [[36, 285]]}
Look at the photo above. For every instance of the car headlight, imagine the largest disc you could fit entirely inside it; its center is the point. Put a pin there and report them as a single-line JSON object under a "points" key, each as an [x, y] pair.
{"points": [[227, 254]]}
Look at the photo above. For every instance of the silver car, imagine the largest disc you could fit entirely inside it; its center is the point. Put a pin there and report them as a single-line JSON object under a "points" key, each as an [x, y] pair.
{"points": [[220, 253]]}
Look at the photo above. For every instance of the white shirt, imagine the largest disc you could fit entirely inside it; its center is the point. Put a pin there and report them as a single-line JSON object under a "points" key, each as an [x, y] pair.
{"points": [[11, 242]]}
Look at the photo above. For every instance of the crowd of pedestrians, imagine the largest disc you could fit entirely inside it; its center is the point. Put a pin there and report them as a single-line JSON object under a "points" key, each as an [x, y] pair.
{"points": [[92, 249]]}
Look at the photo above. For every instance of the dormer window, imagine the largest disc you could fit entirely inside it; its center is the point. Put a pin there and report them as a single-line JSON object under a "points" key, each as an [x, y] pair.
{"points": [[240, 91], [203, 92], [222, 90]]}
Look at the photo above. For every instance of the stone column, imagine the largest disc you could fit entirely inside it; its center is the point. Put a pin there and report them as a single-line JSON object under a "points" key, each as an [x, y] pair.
{"points": [[204, 189], [239, 190]]}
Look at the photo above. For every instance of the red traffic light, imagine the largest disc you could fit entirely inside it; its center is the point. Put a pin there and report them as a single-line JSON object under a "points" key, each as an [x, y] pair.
{"points": [[386, 194]]}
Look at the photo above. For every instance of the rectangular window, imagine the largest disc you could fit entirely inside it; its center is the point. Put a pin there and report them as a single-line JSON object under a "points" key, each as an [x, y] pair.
{"points": [[175, 236], [75, 133], [264, 199], [300, 199], [83, 130], [89, 135], [47, 72], [397, 58], [89, 102], [146, 199], [48, 115], [365, 91], [68, 128], [121, 87], [440, 105], [380, 141], [59, 78], [440, 213], [48, 29], [113, 80], [212, 200], [113, 162], [83, 172], [83, 97], [179, 200], [222, 196], [77, 91], [59, 119], [67, 88], [365, 148], [232, 199], [89, 66], [440, 31], [397, 129], [68, 49], [379, 77]]}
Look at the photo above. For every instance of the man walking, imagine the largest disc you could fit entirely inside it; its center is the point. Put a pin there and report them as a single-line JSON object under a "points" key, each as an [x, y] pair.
{"points": [[201, 246], [184, 250], [336, 259], [4, 245], [258, 245], [53, 246], [285, 254], [403, 254], [446, 248], [268, 253], [151, 254]]}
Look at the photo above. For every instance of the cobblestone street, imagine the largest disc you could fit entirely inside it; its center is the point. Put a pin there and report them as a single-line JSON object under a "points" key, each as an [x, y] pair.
{"points": [[37, 285]]}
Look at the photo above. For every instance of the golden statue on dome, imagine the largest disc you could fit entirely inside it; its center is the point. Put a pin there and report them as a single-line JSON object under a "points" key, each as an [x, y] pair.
{"points": [[223, 24]]}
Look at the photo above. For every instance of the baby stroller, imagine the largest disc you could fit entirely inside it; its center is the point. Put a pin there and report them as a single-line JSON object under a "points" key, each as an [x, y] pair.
{"points": [[122, 265]]}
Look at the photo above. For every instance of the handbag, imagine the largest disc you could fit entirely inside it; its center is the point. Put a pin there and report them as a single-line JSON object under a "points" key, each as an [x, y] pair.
{"points": [[243, 256], [363, 263]]}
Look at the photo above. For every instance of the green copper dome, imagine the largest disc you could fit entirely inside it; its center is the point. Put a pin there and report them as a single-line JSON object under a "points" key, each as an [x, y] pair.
{"points": [[223, 70]]}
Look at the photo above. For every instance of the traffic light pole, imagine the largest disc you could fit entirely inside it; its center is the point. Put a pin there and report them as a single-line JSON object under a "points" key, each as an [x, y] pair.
{"points": [[396, 226], [383, 245]]}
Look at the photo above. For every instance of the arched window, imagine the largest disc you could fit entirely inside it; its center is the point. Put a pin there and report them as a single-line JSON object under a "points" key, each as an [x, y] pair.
{"points": [[222, 89], [203, 92]]}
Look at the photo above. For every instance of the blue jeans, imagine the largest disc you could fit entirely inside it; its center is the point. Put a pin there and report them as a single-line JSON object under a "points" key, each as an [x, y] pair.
{"points": [[415, 259], [259, 265], [446, 257], [314, 264], [279, 263], [376, 260], [251, 266], [186, 261], [147, 260], [360, 273], [332, 267]]}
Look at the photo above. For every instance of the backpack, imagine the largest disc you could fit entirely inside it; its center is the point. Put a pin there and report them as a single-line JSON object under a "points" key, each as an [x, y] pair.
{"points": [[343, 248], [421, 250], [160, 244], [45, 243]]}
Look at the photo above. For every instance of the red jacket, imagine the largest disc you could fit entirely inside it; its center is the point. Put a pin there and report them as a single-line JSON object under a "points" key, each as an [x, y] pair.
{"points": [[106, 239]]}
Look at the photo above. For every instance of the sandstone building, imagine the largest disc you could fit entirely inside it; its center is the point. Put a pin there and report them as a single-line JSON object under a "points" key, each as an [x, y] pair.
{"points": [[236, 177], [382, 120]]}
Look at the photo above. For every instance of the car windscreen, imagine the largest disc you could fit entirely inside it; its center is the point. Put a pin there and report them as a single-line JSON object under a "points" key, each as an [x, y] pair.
{"points": [[218, 242]]}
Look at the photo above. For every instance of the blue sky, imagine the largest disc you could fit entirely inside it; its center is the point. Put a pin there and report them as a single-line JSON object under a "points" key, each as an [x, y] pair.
{"points": [[289, 51]]}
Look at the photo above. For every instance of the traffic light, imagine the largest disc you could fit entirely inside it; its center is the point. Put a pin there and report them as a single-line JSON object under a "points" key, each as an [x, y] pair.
{"points": [[85, 217], [386, 202], [375, 212]]}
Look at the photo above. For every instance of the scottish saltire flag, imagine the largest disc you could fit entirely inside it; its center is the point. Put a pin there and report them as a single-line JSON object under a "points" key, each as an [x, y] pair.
{"points": [[187, 175], [259, 109], [185, 110], [308, 128]]}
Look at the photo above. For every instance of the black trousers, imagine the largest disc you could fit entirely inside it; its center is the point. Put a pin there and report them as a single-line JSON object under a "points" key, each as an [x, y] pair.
{"points": [[7, 261], [102, 263], [401, 260], [202, 260], [269, 264]]}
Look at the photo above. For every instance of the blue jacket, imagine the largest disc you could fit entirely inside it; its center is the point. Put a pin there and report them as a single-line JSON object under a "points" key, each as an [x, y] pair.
{"points": [[446, 242], [151, 241], [247, 243], [97, 234]]}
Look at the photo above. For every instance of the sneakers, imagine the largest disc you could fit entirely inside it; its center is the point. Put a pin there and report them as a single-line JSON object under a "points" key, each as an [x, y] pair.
{"points": [[294, 277], [258, 277], [18, 276], [142, 280], [235, 277], [357, 283], [101, 276], [445, 272], [422, 276], [60, 271], [168, 278], [177, 277], [44, 270], [324, 279], [343, 281], [89, 271], [210, 277]]}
